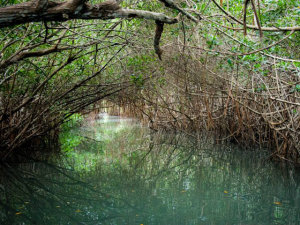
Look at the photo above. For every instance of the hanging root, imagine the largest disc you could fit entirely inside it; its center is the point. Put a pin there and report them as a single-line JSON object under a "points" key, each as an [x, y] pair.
{"points": [[257, 18], [245, 16], [255, 14], [158, 32]]}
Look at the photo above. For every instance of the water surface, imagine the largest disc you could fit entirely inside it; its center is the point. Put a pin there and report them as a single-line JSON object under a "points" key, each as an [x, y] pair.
{"points": [[119, 173]]}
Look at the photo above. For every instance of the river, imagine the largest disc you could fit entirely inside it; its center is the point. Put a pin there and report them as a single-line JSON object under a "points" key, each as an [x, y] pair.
{"points": [[121, 173]]}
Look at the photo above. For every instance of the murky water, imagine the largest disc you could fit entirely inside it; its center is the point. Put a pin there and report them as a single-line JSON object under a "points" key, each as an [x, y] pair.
{"points": [[122, 174]]}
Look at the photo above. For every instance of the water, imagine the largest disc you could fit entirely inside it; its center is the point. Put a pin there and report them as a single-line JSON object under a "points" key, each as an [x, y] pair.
{"points": [[122, 174]]}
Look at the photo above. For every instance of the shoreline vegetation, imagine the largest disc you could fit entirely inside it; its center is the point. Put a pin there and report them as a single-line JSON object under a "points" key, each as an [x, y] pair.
{"points": [[230, 69]]}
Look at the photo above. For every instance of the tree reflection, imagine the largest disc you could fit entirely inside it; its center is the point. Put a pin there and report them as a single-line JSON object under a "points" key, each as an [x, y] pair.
{"points": [[157, 178]]}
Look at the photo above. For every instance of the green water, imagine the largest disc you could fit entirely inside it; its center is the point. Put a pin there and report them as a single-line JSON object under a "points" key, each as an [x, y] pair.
{"points": [[118, 173]]}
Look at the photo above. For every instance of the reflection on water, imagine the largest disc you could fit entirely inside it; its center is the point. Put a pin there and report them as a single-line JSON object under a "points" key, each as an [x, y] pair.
{"points": [[122, 174]]}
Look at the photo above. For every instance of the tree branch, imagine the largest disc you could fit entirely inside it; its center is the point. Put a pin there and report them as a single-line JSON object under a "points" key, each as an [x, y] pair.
{"points": [[72, 9], [173, 5], [295, 28]]}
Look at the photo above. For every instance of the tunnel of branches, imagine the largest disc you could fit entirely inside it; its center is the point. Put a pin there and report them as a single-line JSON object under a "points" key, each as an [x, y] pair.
{"points": [[228, 69]]}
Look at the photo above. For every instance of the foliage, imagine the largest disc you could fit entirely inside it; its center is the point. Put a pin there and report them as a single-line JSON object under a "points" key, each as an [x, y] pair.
{"points": [[68, 139]]}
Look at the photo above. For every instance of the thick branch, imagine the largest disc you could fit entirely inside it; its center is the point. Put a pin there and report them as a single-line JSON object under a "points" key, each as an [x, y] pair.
{"points": [[73, 9]]}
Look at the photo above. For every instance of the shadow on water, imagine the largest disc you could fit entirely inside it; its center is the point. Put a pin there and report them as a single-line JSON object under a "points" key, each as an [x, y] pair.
{"points": [[122, 174]]}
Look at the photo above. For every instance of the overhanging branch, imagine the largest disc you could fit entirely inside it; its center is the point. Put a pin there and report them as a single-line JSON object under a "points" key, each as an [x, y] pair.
{"points": [[42, 10]]}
